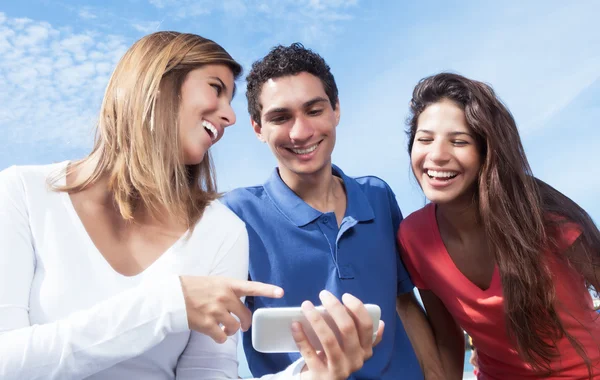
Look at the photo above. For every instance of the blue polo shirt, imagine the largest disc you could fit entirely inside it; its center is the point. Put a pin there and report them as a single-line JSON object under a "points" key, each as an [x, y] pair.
{"points": [[301, 249]]}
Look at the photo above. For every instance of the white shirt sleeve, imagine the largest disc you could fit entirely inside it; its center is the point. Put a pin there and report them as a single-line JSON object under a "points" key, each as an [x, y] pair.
{"points": [[203, 358], [87, 341]]}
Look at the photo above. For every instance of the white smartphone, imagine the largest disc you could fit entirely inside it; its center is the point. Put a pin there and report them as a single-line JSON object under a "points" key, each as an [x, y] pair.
{"points": [[272, 327]]}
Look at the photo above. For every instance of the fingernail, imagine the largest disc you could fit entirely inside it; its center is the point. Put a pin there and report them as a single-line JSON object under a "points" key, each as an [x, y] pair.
{"points": [[296, 327], [325, 294], [278, 292], [307, 305]]}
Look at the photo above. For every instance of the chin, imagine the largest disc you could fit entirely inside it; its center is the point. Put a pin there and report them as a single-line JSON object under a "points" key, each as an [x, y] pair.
{"points": [[306, 168], [195, 159], [439, 197]]}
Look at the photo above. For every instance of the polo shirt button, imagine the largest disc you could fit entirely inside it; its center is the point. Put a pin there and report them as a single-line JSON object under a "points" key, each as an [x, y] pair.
{"points": [[325, 220]]}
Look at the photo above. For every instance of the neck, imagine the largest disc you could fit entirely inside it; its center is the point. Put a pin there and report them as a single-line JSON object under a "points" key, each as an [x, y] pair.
{"points": [[461, 220], [100, 194], [319, 189], [98, 191]]}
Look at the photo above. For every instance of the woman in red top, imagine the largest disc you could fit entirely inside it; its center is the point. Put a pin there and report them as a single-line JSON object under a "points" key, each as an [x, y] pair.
{"points": [[498, 252]]}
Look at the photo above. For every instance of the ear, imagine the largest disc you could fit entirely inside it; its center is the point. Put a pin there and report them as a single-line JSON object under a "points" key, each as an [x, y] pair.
{"points": [[257, 130], [337, 112]]}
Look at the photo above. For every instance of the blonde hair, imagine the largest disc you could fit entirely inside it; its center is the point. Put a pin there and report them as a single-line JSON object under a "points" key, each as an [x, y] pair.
{"points": [[137, 141]]}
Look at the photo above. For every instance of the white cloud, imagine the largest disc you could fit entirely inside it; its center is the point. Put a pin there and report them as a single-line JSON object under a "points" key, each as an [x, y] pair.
{"points": [[20, 23], [181, 9], [158, 3], [315, 21], [87, 14], [52, 81], [146, 27]]}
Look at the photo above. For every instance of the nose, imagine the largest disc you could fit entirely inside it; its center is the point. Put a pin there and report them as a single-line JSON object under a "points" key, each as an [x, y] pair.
{"points": [[227, 115], [301, 130], [439, 152]]}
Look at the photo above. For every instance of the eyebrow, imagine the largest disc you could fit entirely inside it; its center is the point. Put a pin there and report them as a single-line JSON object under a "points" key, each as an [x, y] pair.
{"points": [[307, 104], [456, 133], [312, 102], [225, 86]]}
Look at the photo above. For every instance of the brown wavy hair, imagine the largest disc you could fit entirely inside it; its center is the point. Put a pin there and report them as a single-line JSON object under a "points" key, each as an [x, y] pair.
{"points": [[137, 140], [519, 214]]}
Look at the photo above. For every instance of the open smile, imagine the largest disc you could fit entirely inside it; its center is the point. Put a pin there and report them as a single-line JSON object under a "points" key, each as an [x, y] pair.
{"points": [[440, 179], [305, 151], [441, 175], [212, 131]]}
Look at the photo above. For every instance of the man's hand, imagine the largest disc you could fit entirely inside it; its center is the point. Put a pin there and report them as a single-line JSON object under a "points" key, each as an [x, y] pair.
{"points": [[210, 302], [339, 359]]}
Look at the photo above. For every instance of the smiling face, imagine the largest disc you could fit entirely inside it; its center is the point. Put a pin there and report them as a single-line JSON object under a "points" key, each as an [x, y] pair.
{"points": [[298, 123], [204, 110], [445, 157]]}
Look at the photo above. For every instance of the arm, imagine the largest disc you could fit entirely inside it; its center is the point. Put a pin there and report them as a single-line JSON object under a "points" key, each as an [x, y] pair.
{"points": [[203, 357], [410, 312], [448, 335], [87, 341], [420, 335]]}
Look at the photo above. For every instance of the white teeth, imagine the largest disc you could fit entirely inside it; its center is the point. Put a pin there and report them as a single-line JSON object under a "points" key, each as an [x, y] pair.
{"points": [[305, 151], [211, 128], [433, 173]]}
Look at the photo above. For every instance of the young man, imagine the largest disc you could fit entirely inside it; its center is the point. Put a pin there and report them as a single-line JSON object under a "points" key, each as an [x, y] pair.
{"points": [[311, 227]]}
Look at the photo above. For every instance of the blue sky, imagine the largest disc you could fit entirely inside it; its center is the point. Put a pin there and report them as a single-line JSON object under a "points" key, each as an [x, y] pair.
{"points": [[542, 57]]}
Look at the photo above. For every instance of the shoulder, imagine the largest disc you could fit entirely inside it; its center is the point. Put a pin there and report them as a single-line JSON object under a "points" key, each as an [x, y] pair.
{"points": [[10, 176], [372, 183], [217, 227], [375, 189], [28, 173], [11, 187], [22, 178], [243, 198], [562, 231], [379, 195], [220, 216], [242, 194], [418, 223]]}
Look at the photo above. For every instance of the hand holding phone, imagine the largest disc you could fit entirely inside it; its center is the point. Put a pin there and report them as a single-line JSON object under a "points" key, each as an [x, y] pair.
{"points": [[272, 328], [341, 354]]}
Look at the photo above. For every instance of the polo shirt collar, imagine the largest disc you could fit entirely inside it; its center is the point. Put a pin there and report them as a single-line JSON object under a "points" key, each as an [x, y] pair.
{"points": [[301, 214], [357, 204]]}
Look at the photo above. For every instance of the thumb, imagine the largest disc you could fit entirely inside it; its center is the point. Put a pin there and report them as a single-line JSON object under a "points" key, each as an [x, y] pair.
{"points": [[311, 357], [379, 336]]}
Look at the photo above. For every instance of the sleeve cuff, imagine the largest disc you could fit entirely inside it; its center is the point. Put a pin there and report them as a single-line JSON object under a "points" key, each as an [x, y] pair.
{"points": [[296, 367], [405, 286], [292, 372]]}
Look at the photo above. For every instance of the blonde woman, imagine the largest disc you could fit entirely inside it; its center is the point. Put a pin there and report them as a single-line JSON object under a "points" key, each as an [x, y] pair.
{"points": [[124, 265]]}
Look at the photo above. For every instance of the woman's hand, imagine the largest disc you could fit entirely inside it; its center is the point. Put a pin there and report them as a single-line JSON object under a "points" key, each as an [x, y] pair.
{"points": [[210, 302], [339, 359]]}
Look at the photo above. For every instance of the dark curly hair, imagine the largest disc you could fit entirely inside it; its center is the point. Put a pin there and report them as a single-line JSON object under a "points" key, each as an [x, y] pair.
{"points": [[283, 61]]}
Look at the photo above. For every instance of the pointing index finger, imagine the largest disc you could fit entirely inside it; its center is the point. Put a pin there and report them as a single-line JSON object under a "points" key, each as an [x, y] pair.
{"points": [[256, 289]]}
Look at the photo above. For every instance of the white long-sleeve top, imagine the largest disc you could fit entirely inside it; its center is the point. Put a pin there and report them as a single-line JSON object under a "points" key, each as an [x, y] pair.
{"points": [[65, 313]]}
